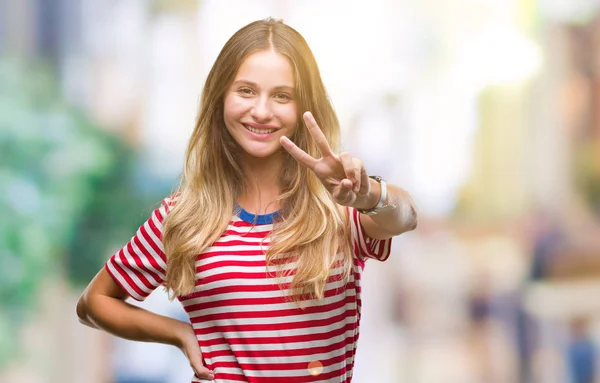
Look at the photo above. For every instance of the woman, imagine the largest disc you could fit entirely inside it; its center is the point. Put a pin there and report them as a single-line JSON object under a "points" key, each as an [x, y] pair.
{"points": [[264, 247]]}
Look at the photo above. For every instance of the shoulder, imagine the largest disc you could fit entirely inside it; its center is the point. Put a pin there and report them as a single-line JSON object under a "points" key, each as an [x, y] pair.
{"points": [[168, 203]]}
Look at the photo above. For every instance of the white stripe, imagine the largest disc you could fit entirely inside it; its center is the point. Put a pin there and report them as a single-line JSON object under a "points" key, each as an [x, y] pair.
{"points": [[279, 333], [241, 282], [231, 249], [230, 258], [387, 243], [248, 241], [246, 269], [244, 281], [242, 233], [257, 347]]}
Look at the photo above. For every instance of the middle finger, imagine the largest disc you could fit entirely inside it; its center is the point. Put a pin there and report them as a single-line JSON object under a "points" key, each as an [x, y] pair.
{"points": [[317, 135]]}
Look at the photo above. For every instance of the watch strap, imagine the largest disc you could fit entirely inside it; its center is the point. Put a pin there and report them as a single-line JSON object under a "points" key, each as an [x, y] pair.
{"points": [[382, 198]]}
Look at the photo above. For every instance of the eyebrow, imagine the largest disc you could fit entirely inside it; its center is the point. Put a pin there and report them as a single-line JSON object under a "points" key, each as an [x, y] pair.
{"points": [[255, 85]]}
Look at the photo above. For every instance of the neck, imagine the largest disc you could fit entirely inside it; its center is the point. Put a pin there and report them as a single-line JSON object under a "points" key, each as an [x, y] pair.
{"points": [[261, 184]]}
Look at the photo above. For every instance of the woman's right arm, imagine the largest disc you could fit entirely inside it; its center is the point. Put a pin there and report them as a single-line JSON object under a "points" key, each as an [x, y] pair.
{"points": [[102, 305]]}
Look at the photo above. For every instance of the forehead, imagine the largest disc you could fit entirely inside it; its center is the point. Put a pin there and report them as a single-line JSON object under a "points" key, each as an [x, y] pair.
{"points": [[268, 68]]}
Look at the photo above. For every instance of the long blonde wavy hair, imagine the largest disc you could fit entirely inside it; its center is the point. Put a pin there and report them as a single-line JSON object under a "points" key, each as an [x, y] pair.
{"points": [[311, 228]]}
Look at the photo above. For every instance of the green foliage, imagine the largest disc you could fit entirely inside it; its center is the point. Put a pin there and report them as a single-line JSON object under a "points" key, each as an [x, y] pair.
{"points": [[66, 193]]}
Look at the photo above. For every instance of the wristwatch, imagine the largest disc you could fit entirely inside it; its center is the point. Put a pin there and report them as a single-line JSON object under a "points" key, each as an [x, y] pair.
{"points": [[380, 205]]}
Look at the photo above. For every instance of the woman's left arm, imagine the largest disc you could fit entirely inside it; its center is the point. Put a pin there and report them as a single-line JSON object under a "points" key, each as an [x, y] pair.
{"points": [[399, 217]]}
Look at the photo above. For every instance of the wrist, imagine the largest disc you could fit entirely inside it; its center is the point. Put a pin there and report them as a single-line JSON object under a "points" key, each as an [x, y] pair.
{"points": [[382, 203], [184, 335], [370, 200]]}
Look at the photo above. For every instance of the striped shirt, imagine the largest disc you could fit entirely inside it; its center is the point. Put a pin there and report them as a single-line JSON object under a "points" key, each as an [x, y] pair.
{"points": [[247, 327]]}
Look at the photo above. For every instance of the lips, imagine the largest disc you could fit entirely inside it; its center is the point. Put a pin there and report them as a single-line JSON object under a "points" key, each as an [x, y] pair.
{"points": [[259, 130]]}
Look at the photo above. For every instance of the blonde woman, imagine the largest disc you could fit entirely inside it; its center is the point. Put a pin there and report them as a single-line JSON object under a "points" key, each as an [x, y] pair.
{"points": [[266, 238]]}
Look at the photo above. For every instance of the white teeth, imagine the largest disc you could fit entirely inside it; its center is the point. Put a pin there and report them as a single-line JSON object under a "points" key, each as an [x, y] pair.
{"points": [[259, 131]]}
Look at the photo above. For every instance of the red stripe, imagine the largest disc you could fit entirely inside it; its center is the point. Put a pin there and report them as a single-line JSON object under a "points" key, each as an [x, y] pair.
{"points": [[244, 234], [168, 203], [274, 353], [150, 240], [241, 223], [258, 301], [229, 263], [287, 340], [303, 366], [307, 324], [237, 242], [230, 289], [140, 267]]}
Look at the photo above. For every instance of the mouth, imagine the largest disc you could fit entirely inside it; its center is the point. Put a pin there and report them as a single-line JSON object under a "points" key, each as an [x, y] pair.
{"points": [[258, 130]]}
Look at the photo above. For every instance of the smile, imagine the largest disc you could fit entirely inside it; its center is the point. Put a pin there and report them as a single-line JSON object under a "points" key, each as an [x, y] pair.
{"points": [[259, 131]]}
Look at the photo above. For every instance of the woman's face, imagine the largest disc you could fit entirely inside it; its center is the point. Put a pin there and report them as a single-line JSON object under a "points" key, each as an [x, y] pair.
{"points": [[259, 106]]}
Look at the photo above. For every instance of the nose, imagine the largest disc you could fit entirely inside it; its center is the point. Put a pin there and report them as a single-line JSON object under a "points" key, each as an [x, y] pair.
{"points": [[261, 110]]}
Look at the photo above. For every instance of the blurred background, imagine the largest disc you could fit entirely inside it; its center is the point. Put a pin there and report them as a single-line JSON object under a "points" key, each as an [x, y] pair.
{"points": [[487, 111]]}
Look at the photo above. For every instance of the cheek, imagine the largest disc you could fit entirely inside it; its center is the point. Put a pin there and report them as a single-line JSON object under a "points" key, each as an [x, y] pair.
{"points": [[289, 115], [233, 108], [226, 108]]}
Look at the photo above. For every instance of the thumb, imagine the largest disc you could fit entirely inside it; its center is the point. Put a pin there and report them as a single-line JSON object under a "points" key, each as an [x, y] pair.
{"points": [[343, 193], [194, 356], [202, 372]]}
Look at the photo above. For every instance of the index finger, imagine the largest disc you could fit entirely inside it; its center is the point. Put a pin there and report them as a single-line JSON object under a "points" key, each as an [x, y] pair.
{"points": [[317, 135], [299, 154]]}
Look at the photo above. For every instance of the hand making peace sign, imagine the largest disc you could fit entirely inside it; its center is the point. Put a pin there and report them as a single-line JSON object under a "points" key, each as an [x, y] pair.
{"points": [[342, 175]]}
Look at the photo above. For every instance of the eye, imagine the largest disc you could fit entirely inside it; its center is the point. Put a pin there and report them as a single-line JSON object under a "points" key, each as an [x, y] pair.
{"points": [[283, 97], [245, 91]]}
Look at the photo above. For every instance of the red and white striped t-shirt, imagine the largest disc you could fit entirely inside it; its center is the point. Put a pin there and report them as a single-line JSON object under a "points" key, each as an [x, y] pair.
{"points": [[246, 328]]}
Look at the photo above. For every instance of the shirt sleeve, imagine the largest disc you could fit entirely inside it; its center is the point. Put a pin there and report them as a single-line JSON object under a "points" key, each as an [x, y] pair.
{"points": [[140, 266], [365, 247]]}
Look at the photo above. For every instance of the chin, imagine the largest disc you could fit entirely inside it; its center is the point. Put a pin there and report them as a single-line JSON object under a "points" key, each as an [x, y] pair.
{"points": [[262, 153]]}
